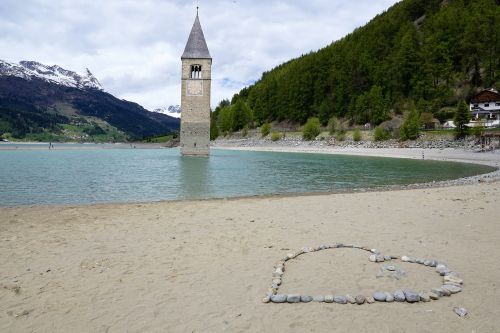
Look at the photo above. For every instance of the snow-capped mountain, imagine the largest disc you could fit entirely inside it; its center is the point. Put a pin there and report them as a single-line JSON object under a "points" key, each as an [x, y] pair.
{"points": [[54, 74], [172, 111]]}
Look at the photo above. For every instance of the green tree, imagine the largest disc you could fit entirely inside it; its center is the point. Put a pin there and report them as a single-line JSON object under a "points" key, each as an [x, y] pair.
{"points": [[411, 127], [265, 129], [214, 130], [461, 119], [311, 129]]}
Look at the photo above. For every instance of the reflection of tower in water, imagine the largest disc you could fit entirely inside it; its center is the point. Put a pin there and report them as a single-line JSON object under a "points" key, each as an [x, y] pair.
{"points": [[194, 174]]}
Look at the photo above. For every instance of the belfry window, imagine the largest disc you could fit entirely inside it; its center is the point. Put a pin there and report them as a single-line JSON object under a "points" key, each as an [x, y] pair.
{"points": [[195, 71]]}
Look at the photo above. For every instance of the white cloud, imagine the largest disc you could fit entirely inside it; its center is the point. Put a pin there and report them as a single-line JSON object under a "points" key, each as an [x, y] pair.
{"points": [[133, 47]]}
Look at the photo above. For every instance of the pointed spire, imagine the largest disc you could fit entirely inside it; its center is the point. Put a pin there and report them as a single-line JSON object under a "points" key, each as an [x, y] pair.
{"points": [[196, 47]]}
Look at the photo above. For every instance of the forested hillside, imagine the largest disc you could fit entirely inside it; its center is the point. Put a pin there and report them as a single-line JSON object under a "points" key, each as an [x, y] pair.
{"points": [[423, 54]]}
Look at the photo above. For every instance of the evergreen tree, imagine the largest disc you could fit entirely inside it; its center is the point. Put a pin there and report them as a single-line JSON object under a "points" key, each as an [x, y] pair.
{"points": [[411, 127], [461, 119]]}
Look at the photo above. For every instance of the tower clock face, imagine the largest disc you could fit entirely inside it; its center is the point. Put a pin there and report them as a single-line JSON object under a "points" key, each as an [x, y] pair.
{"points": [[194, 88]]}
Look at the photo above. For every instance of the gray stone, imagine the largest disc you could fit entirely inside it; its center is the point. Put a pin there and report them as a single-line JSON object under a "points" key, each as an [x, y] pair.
{"points": [[453, 279], [293, 298], [399, 296], [390, 268], [411, 296], [387, 257], [425, 297], [360, 299], [405, 258], [441, 292], [420, 260], [460, 311], [379, 296], [373, 258], [266, 299], [306, 298], [278, 298], [452, 288], [389, 297], [374, 251], [433, 295], [427, 262], [370, 300], [319, 298], [445, 292], [452, 273], [442, 269], [340, 299], [380, 258], [350, 299], [329, 299], [433, 263]]}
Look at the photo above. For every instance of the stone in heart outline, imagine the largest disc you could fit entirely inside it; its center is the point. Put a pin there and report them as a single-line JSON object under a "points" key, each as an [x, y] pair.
{"points": [[452, 283]]}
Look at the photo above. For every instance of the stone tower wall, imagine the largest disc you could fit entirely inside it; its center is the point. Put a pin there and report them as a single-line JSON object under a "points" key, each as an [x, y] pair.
{"points": [[195, 105]]}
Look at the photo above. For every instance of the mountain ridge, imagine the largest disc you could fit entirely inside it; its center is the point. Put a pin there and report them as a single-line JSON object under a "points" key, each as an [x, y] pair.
{"points": [[42, 102]]}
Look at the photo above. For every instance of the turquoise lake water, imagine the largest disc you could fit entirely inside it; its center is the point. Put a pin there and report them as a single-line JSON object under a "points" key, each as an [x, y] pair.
{"points": [[35, 177]]}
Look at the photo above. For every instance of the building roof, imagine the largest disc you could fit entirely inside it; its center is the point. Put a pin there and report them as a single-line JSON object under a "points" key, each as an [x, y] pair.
{"points": [[196, 47], [485, 96]]}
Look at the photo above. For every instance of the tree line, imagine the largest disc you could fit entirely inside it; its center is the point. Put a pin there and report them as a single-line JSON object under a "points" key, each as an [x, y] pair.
{"points": [[421, 55]]}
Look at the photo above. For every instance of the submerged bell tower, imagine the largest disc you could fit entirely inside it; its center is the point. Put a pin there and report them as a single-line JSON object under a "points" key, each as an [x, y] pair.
{"points": [[195, 95]]}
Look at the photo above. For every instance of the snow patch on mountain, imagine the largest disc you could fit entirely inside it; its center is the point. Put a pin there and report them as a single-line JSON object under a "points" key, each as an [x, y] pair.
{"points": [[54, 74], [172, 111]]}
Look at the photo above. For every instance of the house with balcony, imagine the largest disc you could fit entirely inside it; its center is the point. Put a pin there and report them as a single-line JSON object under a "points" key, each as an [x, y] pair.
{"points": [[485, 108]]}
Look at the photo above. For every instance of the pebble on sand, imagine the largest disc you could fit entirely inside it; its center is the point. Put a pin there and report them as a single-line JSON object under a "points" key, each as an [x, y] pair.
{"points": [[379, 296], [360, 299], [340, 299], [329, 299], [306, 298], [278, 298], [399, 296]]}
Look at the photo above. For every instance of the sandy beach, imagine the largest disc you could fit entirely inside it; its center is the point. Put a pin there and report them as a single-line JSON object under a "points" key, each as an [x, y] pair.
{"points": [[204, 266]]}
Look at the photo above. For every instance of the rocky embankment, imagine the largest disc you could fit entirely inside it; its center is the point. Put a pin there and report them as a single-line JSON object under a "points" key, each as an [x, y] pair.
{"points": [[467, 144]]}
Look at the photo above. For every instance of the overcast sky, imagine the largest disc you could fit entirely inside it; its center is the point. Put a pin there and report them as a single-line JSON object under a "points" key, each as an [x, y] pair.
{"points": [[133, 47]]}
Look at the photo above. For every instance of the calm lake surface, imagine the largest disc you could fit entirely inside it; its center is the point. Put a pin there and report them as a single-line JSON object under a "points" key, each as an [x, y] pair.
{"points": [[35, 177]]}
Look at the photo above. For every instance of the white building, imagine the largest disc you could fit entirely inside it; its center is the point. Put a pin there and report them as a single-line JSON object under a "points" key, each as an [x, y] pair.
{"points": [[485, 108]]}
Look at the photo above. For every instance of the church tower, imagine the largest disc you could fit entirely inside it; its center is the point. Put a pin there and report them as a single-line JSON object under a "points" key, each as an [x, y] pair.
{"points": [[195, 96]]}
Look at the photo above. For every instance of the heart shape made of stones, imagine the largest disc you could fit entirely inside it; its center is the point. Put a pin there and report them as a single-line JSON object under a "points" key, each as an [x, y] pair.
{"points": [[452, 283]]}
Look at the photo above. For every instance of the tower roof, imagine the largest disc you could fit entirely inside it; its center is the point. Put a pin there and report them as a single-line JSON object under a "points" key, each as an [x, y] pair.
{"points": [[196, 47]]}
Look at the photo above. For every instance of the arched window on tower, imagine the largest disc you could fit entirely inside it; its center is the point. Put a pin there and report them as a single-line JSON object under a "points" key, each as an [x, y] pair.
{"points": [[195, 71]]}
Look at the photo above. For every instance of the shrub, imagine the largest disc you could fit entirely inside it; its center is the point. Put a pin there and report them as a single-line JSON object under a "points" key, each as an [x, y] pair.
{"points": [[332, 125], [265, 129], [381, 134], [340, 136], [275, 136], [356, 136], [311, 129]]}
